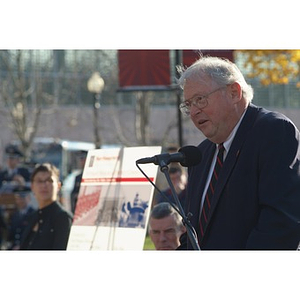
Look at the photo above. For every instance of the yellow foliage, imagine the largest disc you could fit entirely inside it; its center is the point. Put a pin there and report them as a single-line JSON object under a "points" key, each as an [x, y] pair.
{"points": [[265, 81], [272, 66]]}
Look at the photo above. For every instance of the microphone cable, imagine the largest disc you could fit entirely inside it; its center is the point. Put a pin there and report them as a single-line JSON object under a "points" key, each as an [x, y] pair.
{"points": [[168, 200]]}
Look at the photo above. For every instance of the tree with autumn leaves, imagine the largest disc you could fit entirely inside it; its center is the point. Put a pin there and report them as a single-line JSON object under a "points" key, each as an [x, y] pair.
{"points": [[272, 66]]}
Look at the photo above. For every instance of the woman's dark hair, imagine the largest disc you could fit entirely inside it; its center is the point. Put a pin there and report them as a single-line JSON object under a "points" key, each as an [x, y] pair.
{"points": [[45, 167]]}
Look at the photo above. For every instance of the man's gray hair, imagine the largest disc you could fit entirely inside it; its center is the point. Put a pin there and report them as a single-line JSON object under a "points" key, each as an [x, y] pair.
{"points": [[165, 209], [222, 71]]}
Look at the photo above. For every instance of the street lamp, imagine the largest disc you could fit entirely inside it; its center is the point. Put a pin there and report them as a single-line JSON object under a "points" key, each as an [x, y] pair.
{"points": [[95, 86]]}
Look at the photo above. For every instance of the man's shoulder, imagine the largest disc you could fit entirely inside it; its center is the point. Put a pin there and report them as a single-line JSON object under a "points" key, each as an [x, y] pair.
{"points": [[264, 114]]}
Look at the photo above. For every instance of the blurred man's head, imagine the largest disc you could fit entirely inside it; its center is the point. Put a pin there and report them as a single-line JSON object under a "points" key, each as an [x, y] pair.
{"points": [[165, 227], [22, 196], [13, 156]]}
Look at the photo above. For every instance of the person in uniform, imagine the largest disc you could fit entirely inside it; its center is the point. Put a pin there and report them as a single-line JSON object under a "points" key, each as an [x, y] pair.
{"points": [[13, 168], [19, 219]]}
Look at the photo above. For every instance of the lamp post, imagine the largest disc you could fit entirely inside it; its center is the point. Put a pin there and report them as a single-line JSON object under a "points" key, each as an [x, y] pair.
{"points": [[178, 61], [95, 85]]}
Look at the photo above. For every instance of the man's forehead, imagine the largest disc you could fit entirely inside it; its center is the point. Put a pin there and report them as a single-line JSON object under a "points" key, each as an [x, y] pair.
{"points": [[168, 221], [195, 87]]}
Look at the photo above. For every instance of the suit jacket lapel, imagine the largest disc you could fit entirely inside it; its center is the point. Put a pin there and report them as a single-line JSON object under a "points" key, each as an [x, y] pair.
{"points": [[199, 182], [232, 156]]}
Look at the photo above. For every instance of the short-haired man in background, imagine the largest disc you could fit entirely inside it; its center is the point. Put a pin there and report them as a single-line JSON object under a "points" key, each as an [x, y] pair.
{"points": [[165, 227]]}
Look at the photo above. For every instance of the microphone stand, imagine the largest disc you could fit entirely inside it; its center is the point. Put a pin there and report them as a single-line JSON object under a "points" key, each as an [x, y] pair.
{"points": [[189, 228]]}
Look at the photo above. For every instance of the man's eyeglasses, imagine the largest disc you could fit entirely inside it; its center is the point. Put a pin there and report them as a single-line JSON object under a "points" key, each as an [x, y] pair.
{"points": [[199, 101]]}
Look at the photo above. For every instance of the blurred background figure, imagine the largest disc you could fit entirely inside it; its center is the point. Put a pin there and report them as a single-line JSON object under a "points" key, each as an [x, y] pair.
{"points": [[165, 227], [179, 181], [74, 194], [176, 176], [19, 219], [13, 173], [3, 226]]}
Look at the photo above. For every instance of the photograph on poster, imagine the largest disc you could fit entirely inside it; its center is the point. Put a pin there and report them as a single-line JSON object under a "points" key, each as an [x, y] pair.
{"points": [[113, 205]]}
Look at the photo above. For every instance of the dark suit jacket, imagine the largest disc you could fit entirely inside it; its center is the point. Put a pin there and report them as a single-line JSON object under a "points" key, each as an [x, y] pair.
{"points": [[75, 192], [54, 225], [256, 204], [17, 225]]}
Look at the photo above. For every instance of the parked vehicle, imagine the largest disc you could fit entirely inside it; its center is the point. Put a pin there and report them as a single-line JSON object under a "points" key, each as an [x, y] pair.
{"points": [[62, 153]]}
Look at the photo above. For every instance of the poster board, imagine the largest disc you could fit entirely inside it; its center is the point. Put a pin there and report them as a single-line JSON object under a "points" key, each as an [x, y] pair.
{"points": [[114, 200]]}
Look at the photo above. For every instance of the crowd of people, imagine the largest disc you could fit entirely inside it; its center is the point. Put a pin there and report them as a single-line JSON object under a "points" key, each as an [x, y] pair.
{"points": [[32, 216], [244, 194]]}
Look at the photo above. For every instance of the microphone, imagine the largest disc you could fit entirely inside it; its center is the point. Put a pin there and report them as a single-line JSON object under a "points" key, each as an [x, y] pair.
{"points": [[187, 156]]}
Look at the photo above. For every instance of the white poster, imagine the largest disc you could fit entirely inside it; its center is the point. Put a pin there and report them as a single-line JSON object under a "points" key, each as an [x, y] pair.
{"points": [[114, 200]]}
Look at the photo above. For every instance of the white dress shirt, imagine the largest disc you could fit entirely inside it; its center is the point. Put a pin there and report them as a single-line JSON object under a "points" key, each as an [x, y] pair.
{"points": [[226, 145]]}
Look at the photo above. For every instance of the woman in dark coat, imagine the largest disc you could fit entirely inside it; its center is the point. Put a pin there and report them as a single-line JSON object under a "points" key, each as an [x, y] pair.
{"points": [[49, 227]]}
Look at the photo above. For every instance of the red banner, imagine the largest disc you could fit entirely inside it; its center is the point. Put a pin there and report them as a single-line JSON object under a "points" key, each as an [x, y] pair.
{"points": [[144, 68]]}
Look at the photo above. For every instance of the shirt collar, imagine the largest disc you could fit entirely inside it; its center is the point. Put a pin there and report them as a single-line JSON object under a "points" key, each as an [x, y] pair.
{"points": [[229, 140]]}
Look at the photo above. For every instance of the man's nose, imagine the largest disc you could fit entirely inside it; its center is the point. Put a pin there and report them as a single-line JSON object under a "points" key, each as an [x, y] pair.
{"points": [[162, 236], [194, 109]]}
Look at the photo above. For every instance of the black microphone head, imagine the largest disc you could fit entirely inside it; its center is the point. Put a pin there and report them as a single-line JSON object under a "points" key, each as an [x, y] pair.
{"points": [[192, 156]]}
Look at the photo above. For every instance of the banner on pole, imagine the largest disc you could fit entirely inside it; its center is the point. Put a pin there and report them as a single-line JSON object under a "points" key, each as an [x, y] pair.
{"points": [[114, 200], [144, 68]]}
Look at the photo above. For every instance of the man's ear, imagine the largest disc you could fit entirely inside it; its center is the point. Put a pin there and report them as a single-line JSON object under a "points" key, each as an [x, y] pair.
{"points": [[236, 92]]}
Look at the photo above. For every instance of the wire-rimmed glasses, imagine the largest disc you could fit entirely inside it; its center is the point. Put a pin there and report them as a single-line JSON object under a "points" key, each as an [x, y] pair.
{"points": [[199, 101]]}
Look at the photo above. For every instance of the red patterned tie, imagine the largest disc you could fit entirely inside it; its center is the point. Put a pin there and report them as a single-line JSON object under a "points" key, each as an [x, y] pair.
{"points": [[211, 190]]}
